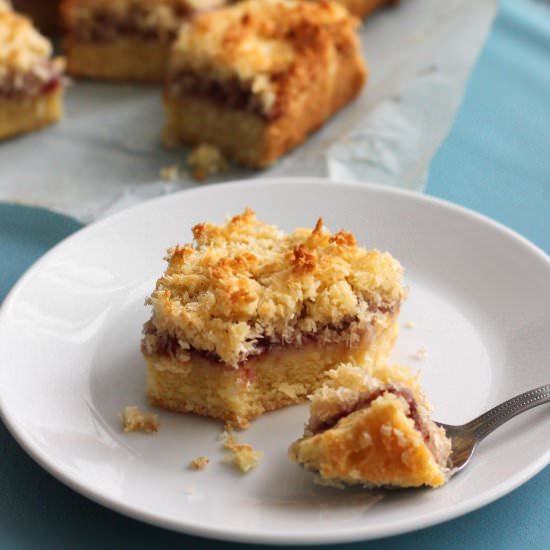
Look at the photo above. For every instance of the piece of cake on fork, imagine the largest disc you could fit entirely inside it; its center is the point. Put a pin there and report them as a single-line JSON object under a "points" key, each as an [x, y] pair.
{"points": [[31, 86], [248, 319], [124, 39], [373, 431], [255, 78]]}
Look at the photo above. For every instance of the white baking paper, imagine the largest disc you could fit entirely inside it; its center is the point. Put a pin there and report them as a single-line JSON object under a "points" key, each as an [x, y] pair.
{"points": [[106, 154]]}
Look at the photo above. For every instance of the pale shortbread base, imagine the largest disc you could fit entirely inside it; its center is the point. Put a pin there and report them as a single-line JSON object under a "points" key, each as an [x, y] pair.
{"points": [[375, 446], [18, 116], [273, 380], [123, 59], [247, 138]]}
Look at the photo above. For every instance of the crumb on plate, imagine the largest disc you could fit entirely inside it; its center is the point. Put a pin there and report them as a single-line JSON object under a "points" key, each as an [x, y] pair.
{"points": [[206, 160], [134, 420], [419, 354], [410, 324], [199, 463], [245, 457], [169, 173]]}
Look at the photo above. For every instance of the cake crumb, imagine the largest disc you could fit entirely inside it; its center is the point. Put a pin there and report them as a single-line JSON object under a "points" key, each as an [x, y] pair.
{"points": [[189, 490], [419, 354], [206, 160], [410, 324], [199, 463], [245, 457], [134, 420], [170, 173]]}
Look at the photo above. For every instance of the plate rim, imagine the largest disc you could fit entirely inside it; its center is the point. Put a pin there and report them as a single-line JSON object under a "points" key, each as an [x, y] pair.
{"points": [[239, 535]]}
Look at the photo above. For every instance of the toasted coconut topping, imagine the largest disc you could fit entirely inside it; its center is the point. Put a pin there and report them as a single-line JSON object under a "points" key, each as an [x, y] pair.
{"points": [[244, 285], [262, 51], [22, 47]]}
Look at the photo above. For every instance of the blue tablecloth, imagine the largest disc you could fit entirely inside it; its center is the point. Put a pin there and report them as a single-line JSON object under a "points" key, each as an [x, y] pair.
{"points": [[496, 160]]}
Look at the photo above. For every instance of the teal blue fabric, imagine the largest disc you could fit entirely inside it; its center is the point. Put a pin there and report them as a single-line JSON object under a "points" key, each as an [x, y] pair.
{"points": [[496, 160]]}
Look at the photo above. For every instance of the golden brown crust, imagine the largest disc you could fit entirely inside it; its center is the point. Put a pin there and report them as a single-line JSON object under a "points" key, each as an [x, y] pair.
{"points": [[247, 282], [124, 59], [22, 115]]}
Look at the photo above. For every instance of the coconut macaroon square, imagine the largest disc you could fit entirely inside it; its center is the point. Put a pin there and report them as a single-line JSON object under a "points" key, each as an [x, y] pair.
{"points": [[124, 39], [31, 85], [248, 318], [255, 78]]}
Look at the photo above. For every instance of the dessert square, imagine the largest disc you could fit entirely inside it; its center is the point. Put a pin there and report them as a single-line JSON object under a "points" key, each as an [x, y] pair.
{"points": [[255, 78], [30, 80], [248, 319], [124, 39], [373, 433]]}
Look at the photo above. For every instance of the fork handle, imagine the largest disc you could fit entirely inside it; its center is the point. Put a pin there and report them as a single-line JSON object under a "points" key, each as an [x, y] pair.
{"points": [[485, 424]]}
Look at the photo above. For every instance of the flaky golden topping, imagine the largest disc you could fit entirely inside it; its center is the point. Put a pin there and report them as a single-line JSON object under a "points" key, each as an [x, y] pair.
{"points": [[260, 43], [22, 47], [246, 281]]}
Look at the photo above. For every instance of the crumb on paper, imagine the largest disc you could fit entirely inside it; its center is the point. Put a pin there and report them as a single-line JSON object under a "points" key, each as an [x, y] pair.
{"points": [[244, 456], [199, 463], [410, 324], [134, 420], [206, 160], [170, 173], [419, 354]]}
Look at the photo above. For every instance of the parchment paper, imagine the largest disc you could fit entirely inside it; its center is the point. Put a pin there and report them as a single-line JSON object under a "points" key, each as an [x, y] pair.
{"points": [[106, 153]]}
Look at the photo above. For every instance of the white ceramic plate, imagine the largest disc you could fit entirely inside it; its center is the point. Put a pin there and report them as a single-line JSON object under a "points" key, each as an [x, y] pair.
{"points": [[69, 342]]}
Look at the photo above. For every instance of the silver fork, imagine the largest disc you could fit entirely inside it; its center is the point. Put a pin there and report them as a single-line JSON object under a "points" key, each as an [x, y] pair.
{"points": [[465, 438]]}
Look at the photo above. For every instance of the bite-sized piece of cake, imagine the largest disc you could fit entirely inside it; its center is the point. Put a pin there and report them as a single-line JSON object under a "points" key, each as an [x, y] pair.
{"points": [[363, 8], [248, 319], [124, 39], [134, 420], [243, 455], [30, 80], [374, 433], [254, 79], [199, 463]]}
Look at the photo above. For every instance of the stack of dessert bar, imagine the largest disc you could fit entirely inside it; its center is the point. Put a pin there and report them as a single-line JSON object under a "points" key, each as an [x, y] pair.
{"points": [[252, 78]]}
